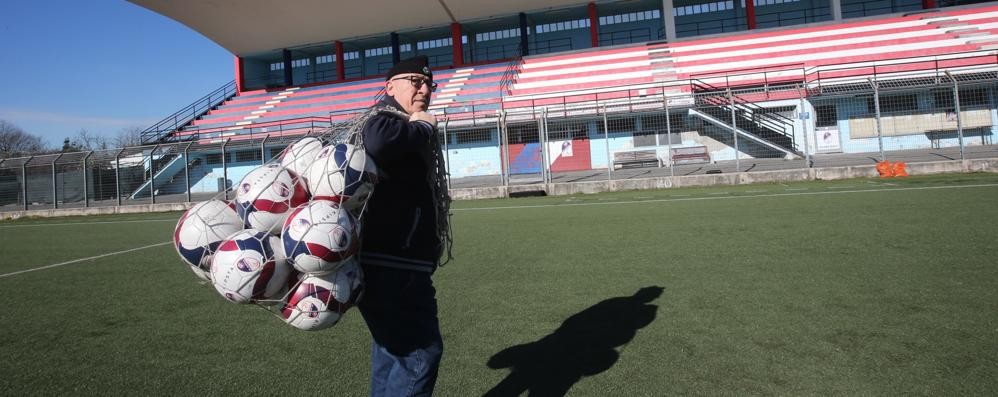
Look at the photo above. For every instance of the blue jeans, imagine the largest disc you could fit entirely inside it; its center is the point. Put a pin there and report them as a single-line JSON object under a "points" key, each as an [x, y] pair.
{"points": [[400, 309]]}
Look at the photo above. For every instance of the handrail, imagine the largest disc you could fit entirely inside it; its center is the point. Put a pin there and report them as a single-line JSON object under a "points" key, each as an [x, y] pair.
{"points": [[272, 127], [188, 113], [509, 76]]}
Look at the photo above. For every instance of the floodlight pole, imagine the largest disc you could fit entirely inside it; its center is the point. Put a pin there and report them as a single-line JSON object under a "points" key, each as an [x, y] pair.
{"points": [[876, 108], [86, 196], [959, 117], [187, 170], [55, 196]]}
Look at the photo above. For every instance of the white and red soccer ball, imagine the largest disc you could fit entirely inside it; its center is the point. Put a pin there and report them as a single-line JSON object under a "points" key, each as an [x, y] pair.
{"points": [[319, 236], [199, 232], [344, 174], [319, 301], [249, 266], [266, 195], [298, 156]]}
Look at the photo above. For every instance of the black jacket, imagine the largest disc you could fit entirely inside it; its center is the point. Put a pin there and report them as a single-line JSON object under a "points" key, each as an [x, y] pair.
{"points": [[400, 224]]}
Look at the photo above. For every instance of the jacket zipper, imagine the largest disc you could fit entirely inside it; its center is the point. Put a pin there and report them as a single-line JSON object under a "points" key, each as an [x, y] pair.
{"points": [[412, 230]]}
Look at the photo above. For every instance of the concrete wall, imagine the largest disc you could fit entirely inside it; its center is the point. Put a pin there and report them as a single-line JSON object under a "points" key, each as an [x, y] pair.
{"points": [[560, 189]]}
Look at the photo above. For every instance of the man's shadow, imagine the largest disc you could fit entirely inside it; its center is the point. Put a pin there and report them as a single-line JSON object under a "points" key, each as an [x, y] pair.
{"points": [[584, 345]]}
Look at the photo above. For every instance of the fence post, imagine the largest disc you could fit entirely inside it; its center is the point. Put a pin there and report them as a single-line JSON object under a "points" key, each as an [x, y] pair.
{"points": [[734, 128], [55, 195], [668, 134], [86, 195], [263, 149], [606, 144], [187, 170], [803, 124], [152, 174], [447, 152], [959, 117], [117, 175], [225, 172], [503, 148], [545, 164], [24, 181], [876, 109]]}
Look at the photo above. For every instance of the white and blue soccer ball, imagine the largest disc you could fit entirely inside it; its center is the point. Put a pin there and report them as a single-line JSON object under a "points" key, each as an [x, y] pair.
{"points": [[319, 236], [319, 301], [249, 266], [299, 155], [266, 196], [344, 174], [199, 232]]}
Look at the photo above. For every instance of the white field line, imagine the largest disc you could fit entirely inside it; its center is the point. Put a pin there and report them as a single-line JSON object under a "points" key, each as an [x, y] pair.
{"points": [[89, 223], [83, 259], [727, 197]]}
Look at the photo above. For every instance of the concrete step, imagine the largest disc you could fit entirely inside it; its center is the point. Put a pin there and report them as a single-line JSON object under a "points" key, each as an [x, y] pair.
{"points": [[971, 29], [949, 24], [984, 40]]}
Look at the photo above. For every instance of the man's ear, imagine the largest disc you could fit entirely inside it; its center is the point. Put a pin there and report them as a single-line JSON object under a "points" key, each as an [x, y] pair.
{"points": [[389, 89]]}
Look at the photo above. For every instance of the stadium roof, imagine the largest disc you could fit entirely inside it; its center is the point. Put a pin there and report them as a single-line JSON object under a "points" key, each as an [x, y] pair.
{"points": [[249, 27]]}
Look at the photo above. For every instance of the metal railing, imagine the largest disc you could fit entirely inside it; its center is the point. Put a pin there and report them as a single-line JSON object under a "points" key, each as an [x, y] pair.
{"points": [[188, 113], [509, 76]]}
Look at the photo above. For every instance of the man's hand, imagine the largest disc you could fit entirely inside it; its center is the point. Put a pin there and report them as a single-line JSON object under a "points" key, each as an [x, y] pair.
{"points": [[424, 116]]}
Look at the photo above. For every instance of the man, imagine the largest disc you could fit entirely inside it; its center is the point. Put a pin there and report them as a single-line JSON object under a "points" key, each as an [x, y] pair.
{"points": [[405, 230]]}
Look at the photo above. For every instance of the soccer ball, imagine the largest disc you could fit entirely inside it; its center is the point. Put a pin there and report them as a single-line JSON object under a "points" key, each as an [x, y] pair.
{"points": [[320, 301], [266, 195], [344, 174], [247, 267], [319, 236], [199, 232], [299, 156]]}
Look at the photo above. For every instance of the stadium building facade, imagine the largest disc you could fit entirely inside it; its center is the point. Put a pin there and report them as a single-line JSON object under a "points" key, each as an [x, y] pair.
{"points": [[529, 94]]}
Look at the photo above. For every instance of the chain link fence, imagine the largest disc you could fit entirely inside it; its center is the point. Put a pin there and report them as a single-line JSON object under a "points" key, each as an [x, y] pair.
{"points": [[657, 130]]}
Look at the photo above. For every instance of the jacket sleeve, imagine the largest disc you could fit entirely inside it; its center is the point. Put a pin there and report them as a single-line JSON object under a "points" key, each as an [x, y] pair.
{"points": [[386, 136]]}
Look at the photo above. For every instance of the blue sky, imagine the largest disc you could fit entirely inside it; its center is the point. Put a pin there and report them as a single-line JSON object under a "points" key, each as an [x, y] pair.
{"points": [[99, 65]]}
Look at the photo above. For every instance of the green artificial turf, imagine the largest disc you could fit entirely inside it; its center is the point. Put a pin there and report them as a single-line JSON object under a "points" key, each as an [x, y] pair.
{"points": [[857, 287]]}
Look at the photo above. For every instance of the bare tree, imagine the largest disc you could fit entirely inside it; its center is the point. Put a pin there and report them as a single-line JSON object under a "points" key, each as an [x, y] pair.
{"points": [[15, 142], [129, 136], [86, 140]]}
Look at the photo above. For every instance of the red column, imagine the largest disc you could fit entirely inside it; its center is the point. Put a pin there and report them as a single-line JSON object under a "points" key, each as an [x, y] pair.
{"points": [[340, 69], [750, 13], [456, 44], [239, 74], [593, 25], [927, 4]]}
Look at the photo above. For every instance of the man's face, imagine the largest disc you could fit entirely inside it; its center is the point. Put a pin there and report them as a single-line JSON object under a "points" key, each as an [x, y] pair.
{"points": [[403, 88]]}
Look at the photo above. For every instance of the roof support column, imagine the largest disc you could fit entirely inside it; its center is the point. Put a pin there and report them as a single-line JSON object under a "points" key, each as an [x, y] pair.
{"points": [[524, 44], [750, 14], [593, 24], [456, 44], [288, 78], [927, 4], [239, 74], [669, 20], [396, 52], [340, 69]]}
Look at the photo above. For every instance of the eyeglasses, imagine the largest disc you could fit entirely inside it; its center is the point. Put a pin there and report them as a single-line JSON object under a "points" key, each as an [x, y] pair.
{"points": [[417, 82]]}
